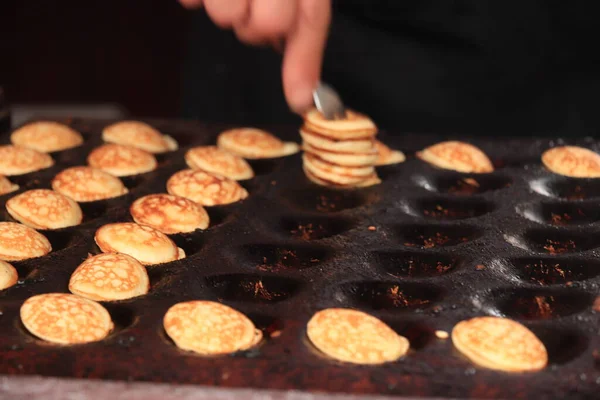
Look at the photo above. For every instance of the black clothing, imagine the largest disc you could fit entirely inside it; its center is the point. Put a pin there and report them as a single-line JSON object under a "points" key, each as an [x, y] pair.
{"points": [[470, 66]]}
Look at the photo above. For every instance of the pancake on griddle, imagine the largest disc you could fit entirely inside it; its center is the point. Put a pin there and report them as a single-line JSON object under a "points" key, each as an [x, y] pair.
{"points": [[344, 146], [110, 277], [46, 137], [252, 143], [19, 242], [44, 209], [500, 344], [457, 156], [7, 186], [169, 214], [144, 243], [210, 328], [19, 160], [572, 161], [344, 159], [218, 161], [85, 184], [388, 156], [335, 173], [65, 318], [139, 134], [8, 275], [369, 181], [205, 188], [353, 126], [121, 160], [355, 337]]}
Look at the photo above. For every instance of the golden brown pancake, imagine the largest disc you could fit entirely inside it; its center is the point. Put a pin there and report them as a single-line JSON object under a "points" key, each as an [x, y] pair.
{"points": [[217, 161], [169, 214], [19, 242], [205, 188], [369, 181], [110, 277], [355, 337], [210, 328], [353, 126], [254, 143], [573, 161], [388, 156], [342, 146], [8, 275], [84, 184], [139, 134], [65, 318], [457, 156], [357, 172], [46, 137], [18, 160], [344, 159], [500, 344], [44, 209], [7, 186], [121, 160], [144, 243], [341, 176]]}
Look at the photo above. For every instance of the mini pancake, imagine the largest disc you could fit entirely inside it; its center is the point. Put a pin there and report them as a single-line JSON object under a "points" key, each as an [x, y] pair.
{"points": [[8, 275], [19, 242], [255, 143], [388, 156], [368, 181], [46, 137], [344, 159], [355, 337], [500, 344], [205, 188], [18, 160], [210, 328], [44, 209], [573, 161], [353, 126], [7, 186], [120, 160], [326, 174], [109, 277], [144, 243], [139, 134], [457, 156], [169, 214], [343, 146], [65, 318], [84, 184], [358, 172], [217, 161]]}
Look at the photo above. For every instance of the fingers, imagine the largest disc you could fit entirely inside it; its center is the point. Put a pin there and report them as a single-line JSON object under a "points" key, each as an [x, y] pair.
{"points": [[303, 56], [268, 20], [191, 3], [227, 13]]}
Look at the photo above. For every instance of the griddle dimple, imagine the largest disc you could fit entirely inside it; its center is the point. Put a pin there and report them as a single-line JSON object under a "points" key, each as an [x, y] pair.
{"points": [[363, 240]]}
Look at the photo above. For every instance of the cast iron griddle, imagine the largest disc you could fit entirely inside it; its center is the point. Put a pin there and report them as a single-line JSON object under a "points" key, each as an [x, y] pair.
{"points": [[519, 242]]}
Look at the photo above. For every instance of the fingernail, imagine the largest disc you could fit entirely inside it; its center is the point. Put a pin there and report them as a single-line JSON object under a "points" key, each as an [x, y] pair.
{"points": [[301, 99]]}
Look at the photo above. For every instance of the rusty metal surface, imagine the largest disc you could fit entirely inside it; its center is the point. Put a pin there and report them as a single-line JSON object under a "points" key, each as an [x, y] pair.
{"points": [[422, 251]]}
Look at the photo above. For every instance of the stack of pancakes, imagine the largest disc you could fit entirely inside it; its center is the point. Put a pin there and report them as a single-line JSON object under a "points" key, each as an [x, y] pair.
{"points": [[340, 153]]}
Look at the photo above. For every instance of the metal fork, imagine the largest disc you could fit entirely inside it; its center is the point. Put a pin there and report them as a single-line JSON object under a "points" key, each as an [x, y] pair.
{"points": [[328, 102]]}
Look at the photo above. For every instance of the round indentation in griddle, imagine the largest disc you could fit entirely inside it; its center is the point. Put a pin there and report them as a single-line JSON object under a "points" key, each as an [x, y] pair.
{"points": [[277, 258], [562, 344], [191, 243], [328, 200], [548, 270], [385, 295], [311, 227], [427, 236], [252, 288], [439, 208], [463, 184], [539, 304], [560, 213], [572, 189], [122, 316], [555, 241], [63, 238], [265, 166], [415, 264]]}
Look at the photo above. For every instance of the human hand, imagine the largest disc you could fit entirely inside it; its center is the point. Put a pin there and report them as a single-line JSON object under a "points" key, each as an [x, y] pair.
{"points": [[300, 26]]}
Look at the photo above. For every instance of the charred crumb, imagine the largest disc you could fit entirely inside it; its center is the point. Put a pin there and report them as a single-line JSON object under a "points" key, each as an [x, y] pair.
{"points": [[480, 267], [372, 228], [558, 247], [596, 305]]}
